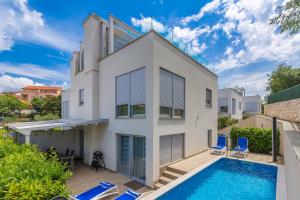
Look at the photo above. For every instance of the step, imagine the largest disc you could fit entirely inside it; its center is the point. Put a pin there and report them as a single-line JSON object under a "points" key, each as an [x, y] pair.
{"points": [[158, 185], [165, 180], [171, 175], [178, 171]]}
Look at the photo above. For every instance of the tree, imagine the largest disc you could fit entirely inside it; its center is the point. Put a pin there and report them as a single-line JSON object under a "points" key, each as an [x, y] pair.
{"points": [[9, 104], [48, 105], [52, 105], [288, 17], [37, 104], [282, 78]]}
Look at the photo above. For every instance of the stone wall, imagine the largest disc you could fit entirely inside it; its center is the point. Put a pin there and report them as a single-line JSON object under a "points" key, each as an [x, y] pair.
{"points": [[285, 110]]}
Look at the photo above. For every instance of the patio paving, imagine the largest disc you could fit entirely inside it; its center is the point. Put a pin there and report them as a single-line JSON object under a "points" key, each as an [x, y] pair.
{"points": [[84, 178], [199, 159]]}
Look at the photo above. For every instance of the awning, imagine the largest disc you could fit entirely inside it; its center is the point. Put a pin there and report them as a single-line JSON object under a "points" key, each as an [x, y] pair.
{"points": [[27, 127]]}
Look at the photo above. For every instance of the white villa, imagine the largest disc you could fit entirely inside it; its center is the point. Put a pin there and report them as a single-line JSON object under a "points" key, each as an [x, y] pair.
{"points": [[233, 104], [252, 105], [136, 98], [230, 103]]}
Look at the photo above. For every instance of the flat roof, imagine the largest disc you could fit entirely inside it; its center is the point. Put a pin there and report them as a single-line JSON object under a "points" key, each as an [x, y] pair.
{"points": [[27, 127]]}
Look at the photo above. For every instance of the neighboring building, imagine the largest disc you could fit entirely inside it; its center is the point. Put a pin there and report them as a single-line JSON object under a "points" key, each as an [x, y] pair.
{"points": [[161, 105], [29, 92], [230, 103], [252, 105]]}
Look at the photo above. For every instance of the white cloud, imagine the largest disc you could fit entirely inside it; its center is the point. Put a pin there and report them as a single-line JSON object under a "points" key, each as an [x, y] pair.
{"points": [[34, 71], [146, 23], [19, 22], [254, 84], [209, 7], [249, 20], [9, 83], [188, 38]]}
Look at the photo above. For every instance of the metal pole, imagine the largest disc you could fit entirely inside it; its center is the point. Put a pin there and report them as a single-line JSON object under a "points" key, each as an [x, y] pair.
{"points": [[274, 146]]}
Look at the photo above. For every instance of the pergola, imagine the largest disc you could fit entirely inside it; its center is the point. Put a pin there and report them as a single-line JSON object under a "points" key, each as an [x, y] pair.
{"points": [[26, 128]]}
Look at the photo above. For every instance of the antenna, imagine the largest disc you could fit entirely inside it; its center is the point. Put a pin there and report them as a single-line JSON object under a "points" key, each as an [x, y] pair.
{"points": [[172, 35]]}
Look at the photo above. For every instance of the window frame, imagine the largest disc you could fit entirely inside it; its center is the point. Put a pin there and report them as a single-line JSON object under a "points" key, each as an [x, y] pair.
{"points": [[172, 113], [81, 100], [209, 105], [233, 108], [130, 113]]}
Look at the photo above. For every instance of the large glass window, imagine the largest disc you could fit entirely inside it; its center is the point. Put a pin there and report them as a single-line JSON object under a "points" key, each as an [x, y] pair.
{"points": [[137, 93], [81, 96], [223, 105], [172, 97], [130, 94], [208, 100]]}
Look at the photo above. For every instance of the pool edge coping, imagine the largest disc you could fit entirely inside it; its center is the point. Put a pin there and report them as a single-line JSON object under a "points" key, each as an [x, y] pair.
{"points": [[281, 193]]}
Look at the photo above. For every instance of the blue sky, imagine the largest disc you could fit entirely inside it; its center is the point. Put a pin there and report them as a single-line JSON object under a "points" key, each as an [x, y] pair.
{"points": [[230, 37]]}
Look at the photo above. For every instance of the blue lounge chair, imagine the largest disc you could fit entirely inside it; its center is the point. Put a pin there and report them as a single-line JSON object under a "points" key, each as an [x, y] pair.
{"points": [[129, 195], [102, 190], [221, 145], [242, 147]]}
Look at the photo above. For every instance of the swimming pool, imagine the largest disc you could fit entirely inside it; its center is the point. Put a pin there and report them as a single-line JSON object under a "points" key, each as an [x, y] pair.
{"points": [[228, 179]]}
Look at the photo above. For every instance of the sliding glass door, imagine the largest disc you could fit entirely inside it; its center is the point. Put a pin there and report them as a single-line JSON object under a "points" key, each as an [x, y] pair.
{"points": [[139, 154], [124, 154], [132, 156]]}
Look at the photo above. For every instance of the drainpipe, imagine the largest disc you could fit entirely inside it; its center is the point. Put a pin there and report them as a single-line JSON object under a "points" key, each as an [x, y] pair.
{"points": [[274, 146]]}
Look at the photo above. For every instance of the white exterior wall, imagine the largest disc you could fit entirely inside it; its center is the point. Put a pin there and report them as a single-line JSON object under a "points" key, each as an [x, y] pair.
{"points": [[61, 141], [230, 93], [198, 117], [138, 54], [256, 99], [98, 82]]}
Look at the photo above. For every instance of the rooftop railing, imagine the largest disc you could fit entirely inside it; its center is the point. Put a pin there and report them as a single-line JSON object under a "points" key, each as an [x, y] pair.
{"points": [[285, 95]]}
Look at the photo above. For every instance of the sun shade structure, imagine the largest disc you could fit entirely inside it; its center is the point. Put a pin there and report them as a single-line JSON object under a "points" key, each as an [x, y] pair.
{"points": [[26, 128]]}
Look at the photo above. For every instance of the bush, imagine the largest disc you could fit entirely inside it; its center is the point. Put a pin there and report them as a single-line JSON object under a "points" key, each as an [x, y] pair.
{"points": [[27, 173], [225, 122], [260, 139], [46, 117]]}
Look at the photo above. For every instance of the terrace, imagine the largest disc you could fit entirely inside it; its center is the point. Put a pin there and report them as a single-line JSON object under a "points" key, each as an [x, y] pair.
{"points": [[84, 178]]}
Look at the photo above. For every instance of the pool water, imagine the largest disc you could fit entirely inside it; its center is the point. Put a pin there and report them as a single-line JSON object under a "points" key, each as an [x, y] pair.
{"points": [[228, 179]]}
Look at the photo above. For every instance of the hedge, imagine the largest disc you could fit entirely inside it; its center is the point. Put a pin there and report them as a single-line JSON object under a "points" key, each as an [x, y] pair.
{"points": [[28, 173], [260, 139]]}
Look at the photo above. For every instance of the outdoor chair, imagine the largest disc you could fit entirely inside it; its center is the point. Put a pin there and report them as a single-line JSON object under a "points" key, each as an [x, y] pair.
{"points": [[102, 190], [129, 195], [67, 151], [221, 145], [241, 148]]}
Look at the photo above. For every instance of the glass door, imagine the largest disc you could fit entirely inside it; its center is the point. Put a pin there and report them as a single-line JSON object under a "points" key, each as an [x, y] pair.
{"points": [[132, 156], [139, 158], [124, 149]]}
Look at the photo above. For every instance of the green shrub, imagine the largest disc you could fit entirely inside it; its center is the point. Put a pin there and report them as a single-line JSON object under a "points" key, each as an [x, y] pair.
{"points": [[225, 122], [46, 117], [27, 173], [260, 139]]}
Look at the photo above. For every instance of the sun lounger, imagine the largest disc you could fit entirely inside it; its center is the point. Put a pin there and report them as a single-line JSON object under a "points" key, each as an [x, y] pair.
{"points": [[102, 190]]}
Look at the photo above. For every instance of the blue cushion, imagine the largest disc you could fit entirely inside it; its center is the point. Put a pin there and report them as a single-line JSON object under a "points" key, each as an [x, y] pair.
{"points": [[128, 195], [95, 191]]}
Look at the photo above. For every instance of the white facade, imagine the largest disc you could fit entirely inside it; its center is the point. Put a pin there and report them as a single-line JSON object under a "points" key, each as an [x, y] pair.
{"points": [[230, 103], [252, 105], [131, 142]]}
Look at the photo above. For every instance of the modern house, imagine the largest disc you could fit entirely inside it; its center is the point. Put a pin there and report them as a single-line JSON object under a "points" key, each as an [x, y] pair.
{"points": [[230, 103], [29, 92], [252, 105], [137, 98]]}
